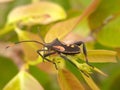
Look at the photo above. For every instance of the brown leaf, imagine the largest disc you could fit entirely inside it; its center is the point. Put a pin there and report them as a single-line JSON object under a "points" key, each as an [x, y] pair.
{"points": [[29, 48], [44, 66], [14, 53], [68, 81], [118, 52], [61, 29]]}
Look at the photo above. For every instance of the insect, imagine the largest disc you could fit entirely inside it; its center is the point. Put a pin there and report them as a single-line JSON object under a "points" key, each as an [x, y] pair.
{"points": [[60, 48]]}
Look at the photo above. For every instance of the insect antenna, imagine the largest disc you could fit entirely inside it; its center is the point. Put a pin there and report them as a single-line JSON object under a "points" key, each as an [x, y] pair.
{"points": [[26, 42]]}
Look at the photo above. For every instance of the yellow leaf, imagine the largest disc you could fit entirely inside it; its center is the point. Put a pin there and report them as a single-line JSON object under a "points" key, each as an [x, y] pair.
{"points": [[118, 52], [23, 81], [5, 1], [41, 13], [90, 82], [61, 29], [29, 48], [6, 29], [68, 81], [99, 71], [100, 56]]}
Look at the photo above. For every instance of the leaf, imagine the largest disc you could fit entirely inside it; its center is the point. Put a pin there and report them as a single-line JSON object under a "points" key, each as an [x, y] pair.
{"points": [[100, 56], [99, 71], [68, 81], [118, 52], [7, 70], [110, 33], [4, 9], [90, 82], [23, 81], [44, 67], [112, 82], [6, 29], [64, 3], [103, 11], [67, 26], [45, 79], [29, 48], [58, 29], [5, 1], [37, 13]]}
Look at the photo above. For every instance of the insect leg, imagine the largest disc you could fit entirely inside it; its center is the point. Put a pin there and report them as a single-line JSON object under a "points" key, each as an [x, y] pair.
{"points": [[51, 53], [48, 54], [45, 55], [84, 51], [38, 51], [65, 58]]}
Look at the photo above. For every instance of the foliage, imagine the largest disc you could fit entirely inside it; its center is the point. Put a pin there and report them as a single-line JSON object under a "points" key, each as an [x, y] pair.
{"points": [[94, 22]]}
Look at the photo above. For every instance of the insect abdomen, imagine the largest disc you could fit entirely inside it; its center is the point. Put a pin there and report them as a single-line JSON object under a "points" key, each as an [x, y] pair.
{"points": [[67, 49]]}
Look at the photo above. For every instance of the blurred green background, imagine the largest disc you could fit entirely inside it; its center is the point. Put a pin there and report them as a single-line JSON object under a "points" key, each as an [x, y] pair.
{"points": [[107, 38]]}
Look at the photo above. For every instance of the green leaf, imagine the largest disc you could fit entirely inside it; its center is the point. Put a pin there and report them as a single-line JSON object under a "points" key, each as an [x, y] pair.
{"points": [[105, 9], [64, 3], [68, 81], [47, 80], [113, 79], [29, 48], [110, 33], [37, 13], [90, 82], [6, 29], [7, 70], [100, 56], [99, 71], [23, 81]]}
